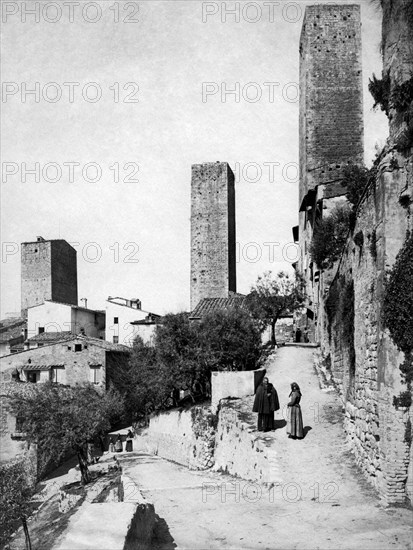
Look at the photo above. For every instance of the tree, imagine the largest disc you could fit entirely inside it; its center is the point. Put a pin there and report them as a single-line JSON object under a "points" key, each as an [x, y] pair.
{"points": [[15, 493], [139, 381], [59, 418], [270, 298], [230, 340], [178, 351]]}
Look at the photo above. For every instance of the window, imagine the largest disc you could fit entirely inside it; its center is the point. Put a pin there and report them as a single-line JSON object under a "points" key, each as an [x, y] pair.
{"points": [[78, 347], [95, 375], [69, 348], [40, 344], [116, 339], [58, 375], [32, 376], [41, 330], [116, 320]]}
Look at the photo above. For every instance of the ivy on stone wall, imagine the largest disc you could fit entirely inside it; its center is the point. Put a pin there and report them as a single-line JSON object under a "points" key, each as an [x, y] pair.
{"points": [[340, 311], [329, 237], [397, 313], [355, 178]]}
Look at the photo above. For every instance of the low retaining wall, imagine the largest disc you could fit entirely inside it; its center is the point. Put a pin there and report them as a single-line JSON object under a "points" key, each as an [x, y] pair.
{"points": [[234, 384], [239, 450], [125, 525], [183, 436]]}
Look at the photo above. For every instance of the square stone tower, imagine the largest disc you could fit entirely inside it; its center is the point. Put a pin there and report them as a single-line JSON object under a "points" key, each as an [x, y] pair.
{"points": [[331, 94], [213, 268], [330, 129], [48, 272]]}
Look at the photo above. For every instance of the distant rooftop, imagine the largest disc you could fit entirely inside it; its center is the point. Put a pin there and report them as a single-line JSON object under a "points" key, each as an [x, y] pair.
{"points": [[207, 305]]}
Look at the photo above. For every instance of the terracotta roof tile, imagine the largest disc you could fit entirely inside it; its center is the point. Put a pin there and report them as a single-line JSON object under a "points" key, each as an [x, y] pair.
{"points": [[207, 305]]}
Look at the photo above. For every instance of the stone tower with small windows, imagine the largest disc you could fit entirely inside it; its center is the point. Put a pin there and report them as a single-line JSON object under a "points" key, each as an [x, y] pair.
{"points": [[331, 134], [48, 272], [213, 265]]}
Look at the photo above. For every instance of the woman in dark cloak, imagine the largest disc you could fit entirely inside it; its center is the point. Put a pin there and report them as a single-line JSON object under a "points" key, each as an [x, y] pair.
{"points": [[129, 441], [295, 419], [265, 403]]}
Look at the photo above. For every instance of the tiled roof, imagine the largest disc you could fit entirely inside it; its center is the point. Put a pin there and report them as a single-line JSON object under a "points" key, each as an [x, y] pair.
{"points": [[49, 337], [207, 305], [10, 329], [106, 345]]}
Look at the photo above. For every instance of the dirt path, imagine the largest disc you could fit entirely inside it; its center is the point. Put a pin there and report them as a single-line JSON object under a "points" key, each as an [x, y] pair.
{"points": [[321, 502]]}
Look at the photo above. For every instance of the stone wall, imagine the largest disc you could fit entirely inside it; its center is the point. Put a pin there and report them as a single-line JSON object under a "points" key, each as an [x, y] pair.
{"points": [[364, 362], [212, 232], [331, 109], [233, 384], [75, 366], [185, 436], [48, 272], [239, 450]]}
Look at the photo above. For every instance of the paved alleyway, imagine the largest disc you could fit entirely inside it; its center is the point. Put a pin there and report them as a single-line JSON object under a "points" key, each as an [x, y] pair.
{"points": [[321, 501]]}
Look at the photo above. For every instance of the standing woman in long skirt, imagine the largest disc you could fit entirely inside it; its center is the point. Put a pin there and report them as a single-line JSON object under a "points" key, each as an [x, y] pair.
{"points": [[294, 417]]}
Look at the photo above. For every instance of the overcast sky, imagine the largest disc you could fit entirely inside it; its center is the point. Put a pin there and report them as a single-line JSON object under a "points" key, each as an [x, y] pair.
{"points": [[141, 229]]}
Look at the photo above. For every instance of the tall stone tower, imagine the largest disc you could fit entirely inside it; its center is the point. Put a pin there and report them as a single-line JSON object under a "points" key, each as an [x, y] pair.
{"points": [[330, 129], [331, 94], [213, 268], [48, 272]]}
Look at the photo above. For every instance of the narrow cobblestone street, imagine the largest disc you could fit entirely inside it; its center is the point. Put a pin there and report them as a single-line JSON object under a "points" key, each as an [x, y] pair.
{"points": [[320, 502]]}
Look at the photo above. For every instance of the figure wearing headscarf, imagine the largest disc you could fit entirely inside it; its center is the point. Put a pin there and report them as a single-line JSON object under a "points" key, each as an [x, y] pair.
{"points": [[294, 416], [265, 403]]}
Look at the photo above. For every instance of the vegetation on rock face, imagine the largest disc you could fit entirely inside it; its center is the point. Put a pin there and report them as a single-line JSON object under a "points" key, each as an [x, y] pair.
{"points": [[272, 297], [340, 311], [355, 178], [380, 90], [330, 235], [59, 418], [397, 313]]}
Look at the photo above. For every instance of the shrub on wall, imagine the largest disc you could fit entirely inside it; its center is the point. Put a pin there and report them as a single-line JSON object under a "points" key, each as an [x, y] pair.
{"points": [[330, 235], [397, 312], [355, 179], [380, 90]]}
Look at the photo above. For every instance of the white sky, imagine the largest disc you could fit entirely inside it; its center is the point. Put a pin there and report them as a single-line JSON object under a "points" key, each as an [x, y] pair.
{"points": [[168, 53]]}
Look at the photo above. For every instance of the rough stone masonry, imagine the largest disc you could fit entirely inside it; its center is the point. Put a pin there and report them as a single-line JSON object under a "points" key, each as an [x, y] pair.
{"points": [[213, 268]]}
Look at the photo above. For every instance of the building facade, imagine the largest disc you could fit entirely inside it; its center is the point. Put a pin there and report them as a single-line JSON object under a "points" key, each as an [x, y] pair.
{"points": [[125, 319], [56, 317]]}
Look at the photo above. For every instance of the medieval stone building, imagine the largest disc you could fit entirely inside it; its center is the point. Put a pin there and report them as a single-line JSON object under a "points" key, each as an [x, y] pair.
{"points": [[213, 266], [48, 272], [331, 125], [348, 299]]}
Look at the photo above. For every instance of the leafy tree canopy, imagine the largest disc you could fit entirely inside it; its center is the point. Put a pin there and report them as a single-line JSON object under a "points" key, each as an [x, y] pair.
{"points": [[274, 296], [59, 418]]}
